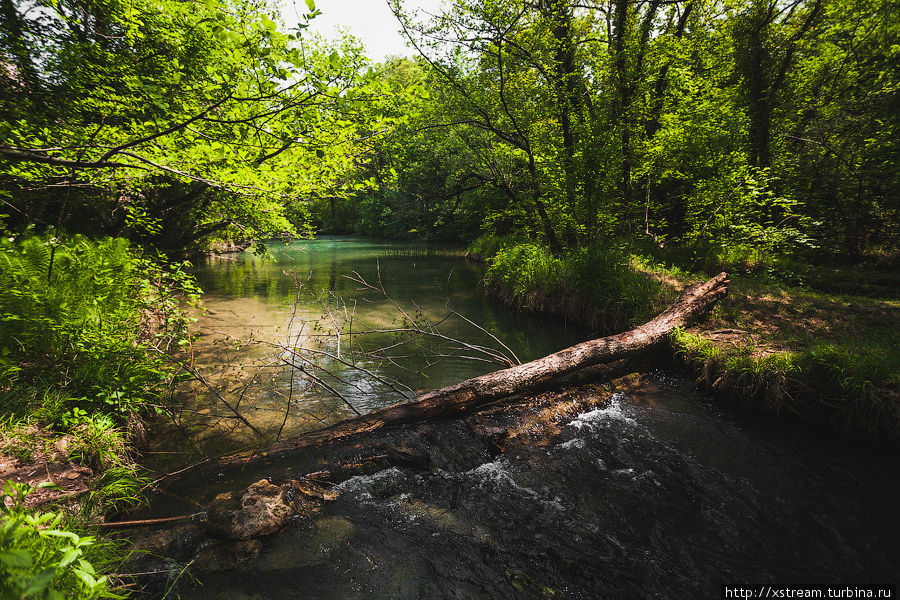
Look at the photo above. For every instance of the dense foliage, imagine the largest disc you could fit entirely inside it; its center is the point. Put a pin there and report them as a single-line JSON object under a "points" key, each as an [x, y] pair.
{"points": [[84, 327], [171, 122], [746, 126], [763, 126], [76, 317], [567, 141], [41, 560]]}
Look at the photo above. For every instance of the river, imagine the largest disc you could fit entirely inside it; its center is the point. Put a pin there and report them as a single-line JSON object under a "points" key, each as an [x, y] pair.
{"points": [[657, 493]]}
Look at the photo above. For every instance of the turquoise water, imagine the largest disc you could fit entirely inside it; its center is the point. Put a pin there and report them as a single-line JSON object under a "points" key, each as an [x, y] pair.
{"points": [[259, 309]]}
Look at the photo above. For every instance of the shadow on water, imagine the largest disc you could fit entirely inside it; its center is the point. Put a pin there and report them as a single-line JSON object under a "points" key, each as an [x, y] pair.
{"points": [[655, 493]]}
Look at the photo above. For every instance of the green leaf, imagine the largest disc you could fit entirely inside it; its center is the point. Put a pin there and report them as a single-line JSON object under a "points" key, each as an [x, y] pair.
{"points": [[86, 566], [16, 558], [87, 578], [69, 557], [311, 4], [268, 23], [57, 533], [39, 582]]}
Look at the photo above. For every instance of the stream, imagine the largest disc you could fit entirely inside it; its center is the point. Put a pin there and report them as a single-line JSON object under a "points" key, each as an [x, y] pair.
{"points": [[658, 492]]}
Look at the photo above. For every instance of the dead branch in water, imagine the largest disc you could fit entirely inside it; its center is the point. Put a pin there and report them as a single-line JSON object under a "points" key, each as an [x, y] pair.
{"points": [[693, 303]]}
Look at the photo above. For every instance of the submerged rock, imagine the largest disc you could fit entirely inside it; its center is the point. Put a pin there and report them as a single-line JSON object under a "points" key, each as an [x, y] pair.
{"points": [[176, 544], [225, 555], [313, 543], [307, 497], [262, 510]]}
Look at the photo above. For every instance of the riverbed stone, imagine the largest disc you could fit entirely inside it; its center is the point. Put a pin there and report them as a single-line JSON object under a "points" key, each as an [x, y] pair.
{"points": [[262, 510], [311, 491], [226, 555], [312, 543], [178, 543]]}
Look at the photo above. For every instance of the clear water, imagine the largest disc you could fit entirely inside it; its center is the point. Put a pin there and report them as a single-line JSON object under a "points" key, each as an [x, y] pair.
{"points": [[250, 306], [660, 493]]}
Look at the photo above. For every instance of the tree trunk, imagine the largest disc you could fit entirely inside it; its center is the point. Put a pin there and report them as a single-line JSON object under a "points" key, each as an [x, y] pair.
{"points": [[694, 303]]}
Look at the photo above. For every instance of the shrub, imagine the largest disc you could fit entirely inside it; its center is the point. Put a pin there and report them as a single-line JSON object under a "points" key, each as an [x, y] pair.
{"points": [[596, 285], [489, 245], [41, 559]]}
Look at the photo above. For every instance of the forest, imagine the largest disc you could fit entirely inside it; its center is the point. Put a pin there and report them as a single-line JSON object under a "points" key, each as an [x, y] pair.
{"points": [[593, 156]]}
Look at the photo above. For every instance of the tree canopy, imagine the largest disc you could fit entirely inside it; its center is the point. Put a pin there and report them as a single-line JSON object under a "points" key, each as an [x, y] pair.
{"points": [[688, 122], [176, 119]]}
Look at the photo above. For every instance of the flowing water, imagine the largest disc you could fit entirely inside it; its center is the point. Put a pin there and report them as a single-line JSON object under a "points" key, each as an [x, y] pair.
{"points": [[657, 493]]}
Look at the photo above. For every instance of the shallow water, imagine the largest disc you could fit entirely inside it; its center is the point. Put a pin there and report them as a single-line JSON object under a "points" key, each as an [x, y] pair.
{"points": [[250, 309], [659, 493]]}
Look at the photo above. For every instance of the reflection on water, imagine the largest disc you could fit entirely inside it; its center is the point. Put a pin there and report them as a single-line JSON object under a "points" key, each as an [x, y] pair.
{"points": [[249, 306]]}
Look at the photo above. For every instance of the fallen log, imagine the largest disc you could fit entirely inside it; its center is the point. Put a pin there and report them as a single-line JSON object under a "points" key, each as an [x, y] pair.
{"points": [[693, 303]]}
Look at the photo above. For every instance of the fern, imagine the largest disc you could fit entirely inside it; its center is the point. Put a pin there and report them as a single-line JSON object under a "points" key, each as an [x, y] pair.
{"points": [[77, 330], [34, 260]]}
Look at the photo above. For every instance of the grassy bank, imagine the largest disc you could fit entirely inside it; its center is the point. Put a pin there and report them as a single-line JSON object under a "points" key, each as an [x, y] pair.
{"points": [[595, 286], [777, 342], [80, 325]]}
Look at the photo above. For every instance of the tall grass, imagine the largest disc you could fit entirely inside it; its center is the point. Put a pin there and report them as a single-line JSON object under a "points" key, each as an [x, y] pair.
{"points": [[489, 245], [595, 285], [837, 385]]}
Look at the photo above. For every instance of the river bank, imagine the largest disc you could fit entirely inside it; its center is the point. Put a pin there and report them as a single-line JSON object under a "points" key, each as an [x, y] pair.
{"points": [[826, 357], [85, 325], [249, 301]]}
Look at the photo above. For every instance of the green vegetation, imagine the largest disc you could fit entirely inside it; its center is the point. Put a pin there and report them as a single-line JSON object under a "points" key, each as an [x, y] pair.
{"points": [[739, 129], [776, 342], [597, 155], [41, 560], [829, 359], [742, 130], [594, 285], [83, 322], [76, 331], [173, 124]]}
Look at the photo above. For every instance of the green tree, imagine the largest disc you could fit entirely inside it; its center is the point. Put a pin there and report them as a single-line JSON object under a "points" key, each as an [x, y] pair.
{"points": [[177, 121]]}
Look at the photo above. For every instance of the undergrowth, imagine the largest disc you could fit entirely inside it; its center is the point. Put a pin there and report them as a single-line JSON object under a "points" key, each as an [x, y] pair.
{"points": [[596, 285], [84, 325], [42, 557], [825, 357], [844, 387], [75, 316]]}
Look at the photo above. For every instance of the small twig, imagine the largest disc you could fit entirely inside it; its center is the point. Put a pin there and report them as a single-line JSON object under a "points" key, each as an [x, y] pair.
{"points": [[325, 385], [221, 398], [294, 351], [178, 472], [148, 522], [493, 337]]}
